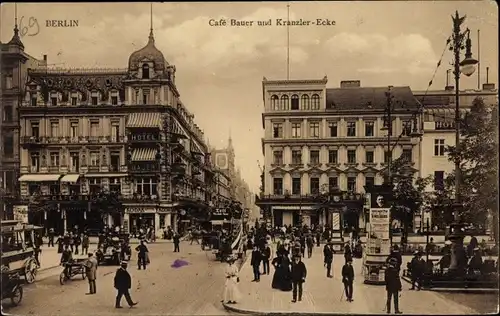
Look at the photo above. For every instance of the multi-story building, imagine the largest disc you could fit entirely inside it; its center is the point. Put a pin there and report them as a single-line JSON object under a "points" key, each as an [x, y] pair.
{"points": [[439, 130], [89, 131], [222, 188], [320, 139], [15, 63]]}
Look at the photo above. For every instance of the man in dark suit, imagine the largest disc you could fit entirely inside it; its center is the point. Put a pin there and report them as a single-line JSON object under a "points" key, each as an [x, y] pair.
{"points": [[123, 283], [328, 254], [310, 245], [177, 241], [266, 255], [142, 254], [348, 279], [298, 274], [255, 262], [392, 285]]}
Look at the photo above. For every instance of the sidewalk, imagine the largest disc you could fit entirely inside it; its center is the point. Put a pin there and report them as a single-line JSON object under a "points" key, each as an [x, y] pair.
{"points": [[323, 295]]}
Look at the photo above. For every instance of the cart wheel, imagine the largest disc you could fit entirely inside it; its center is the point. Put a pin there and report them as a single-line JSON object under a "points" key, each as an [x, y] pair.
{"points": [[30, 271], [62, 278], [17, 296]]}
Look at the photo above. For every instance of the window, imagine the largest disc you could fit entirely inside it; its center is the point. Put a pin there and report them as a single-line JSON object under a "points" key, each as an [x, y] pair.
{"points": [[369, 157], [333, 156], [74, 130], [333, 129], [9, 79], [369, 181], [351, 129], [305, 102], [407, 155], [278, 186], [314, 185], [351, 156], [314, 157], [74, 101], [8, 146], [314, 129], [406, 128], [387, 155], [54, 129], [54, 159], [35, 130], [94, 128], [144, 98], [115, 132], [94, 100], [333, 182], [295, 130], [94, 158], [34, 100], [439, 180], [146, 186], [115, 185], [115, 160], [277, 130], [296, 157], [7, 113], [351, 184], [278, 157], [137, 98], [284, 103], [145, 71], [315, 102], [53, 101], [74, 158], [95, 186], [295, 102], [35, 162], [296, 187], [369, 129], [114, 100], [439, 147], [10, 177], [275, 104]]}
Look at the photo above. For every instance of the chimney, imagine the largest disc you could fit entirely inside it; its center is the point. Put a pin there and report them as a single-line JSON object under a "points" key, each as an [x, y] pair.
{"points": [[488, 85], [44, 57], [350, 84]]}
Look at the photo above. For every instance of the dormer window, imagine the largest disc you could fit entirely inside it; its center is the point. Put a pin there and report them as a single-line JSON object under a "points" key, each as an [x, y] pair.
{"points": [[74, 101], [94, 100], [145, 71], [53, 99], [114, 100]]}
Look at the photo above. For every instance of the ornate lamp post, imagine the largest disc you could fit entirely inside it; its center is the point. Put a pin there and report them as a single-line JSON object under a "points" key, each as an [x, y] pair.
{"points": [[467, 67]]}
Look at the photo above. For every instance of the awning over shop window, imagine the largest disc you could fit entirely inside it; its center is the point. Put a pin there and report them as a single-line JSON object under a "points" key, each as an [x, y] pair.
{"points": [[144, 154], [70, 178], [39, 177], [147, 120]]}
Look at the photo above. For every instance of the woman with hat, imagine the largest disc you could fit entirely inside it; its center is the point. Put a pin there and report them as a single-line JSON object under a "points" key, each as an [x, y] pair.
{"points": [[392, 285], [231, 293], [281, 278]]}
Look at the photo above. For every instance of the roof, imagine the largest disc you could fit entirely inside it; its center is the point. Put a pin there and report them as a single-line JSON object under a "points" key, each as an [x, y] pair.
{"points": [[149, 52], [368, 98], [16, 40]]}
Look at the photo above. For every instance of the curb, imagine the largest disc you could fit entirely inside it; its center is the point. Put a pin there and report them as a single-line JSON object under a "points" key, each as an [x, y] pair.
{"points": [[237, 310], [457, 290]]}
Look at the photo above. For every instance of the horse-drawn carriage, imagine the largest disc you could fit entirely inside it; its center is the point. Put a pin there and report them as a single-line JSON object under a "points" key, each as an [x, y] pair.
{"points": [[18, 255]]}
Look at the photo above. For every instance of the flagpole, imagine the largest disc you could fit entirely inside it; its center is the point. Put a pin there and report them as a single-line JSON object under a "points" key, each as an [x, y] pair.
{"points": [[288, 43]]}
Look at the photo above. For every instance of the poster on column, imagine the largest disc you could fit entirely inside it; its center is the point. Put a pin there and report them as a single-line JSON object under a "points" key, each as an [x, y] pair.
{"points": [[378, 241], [21, 213]]}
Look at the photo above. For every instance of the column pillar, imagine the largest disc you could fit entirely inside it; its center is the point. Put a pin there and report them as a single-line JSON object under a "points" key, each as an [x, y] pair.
{"points": [[126, 222], [157, 225], [168, 220]]}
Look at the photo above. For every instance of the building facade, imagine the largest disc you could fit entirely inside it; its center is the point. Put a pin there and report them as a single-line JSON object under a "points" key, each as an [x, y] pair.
{"points": [[318, 139], [439, 130], [15, 63], [124, 133]]}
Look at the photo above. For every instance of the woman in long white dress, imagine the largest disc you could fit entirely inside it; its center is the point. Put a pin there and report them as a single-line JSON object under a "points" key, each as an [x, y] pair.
{"points": [[231, 292]]}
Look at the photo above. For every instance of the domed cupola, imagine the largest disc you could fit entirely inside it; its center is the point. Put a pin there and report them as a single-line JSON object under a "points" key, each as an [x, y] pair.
{"points": [[149, 53]]}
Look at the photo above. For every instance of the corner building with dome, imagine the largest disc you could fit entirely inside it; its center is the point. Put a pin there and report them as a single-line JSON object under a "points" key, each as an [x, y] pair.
{"points": [[91, 138]]}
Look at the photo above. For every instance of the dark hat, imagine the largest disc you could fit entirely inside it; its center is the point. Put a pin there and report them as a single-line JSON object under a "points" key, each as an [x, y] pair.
{"points": [[393, 261], [349, 260], [123, 263], [297, 256]]}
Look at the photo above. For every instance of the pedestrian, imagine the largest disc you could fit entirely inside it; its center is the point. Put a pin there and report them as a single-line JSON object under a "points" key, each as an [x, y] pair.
{"points": [[142, 255], [91, 271], [310, 245], [328, 258], [298, 274], [85, 244], [177, 240], [392, 285], [71, 240], [396, 255], [231, 292], [318, 236], [60, 244], [37, 252], [66, 260], [51, 237], [77, 241], [303, 245], [416, 271], [123, 283], [266, 256], [347, 253], [255, 262], [348, 279]]}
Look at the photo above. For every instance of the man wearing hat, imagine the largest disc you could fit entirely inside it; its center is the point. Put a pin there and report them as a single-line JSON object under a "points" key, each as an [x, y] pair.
{"points": [[91, 271], [396, 255], [123, 283], [392, 285], [266, 256], [328, 254], [255, 262], [416, 270], [348, 278], [298, 274]]}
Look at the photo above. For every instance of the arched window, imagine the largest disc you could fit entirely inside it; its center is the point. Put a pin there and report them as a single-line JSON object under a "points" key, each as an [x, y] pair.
{"points": [[145, 71], [305, 102], [295, 102], [315, 102], [284, 102], [275, 102]]}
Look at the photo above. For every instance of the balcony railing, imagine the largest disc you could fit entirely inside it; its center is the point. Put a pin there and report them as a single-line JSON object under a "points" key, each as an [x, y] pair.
{"points": [[32, 140], [139, 198]]}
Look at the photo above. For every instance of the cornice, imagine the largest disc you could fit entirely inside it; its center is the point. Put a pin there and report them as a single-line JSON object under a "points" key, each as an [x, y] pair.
{"points": [[337, 141]]}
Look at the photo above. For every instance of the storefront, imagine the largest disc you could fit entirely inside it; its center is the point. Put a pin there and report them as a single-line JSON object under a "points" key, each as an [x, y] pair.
{"points": [[137, 217]]}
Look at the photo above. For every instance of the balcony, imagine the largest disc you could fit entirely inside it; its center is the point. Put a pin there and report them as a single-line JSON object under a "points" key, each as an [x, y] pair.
{"points": [[32, 140], [53, 169], [93, 139], [138, 198]]}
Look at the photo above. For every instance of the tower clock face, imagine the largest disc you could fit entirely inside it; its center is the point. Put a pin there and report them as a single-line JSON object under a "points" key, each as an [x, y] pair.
{"points": [[221, 161]]}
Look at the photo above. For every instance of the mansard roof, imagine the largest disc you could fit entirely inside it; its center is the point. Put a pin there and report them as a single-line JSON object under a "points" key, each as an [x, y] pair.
{"points": [[368, 98]]}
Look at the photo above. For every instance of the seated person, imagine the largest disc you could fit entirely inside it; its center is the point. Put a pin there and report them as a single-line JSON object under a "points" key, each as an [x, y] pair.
{"points": [[67, 260]]}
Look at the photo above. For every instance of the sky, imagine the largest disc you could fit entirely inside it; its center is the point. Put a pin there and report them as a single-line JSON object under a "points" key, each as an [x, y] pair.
{"points": [[220, 68]]}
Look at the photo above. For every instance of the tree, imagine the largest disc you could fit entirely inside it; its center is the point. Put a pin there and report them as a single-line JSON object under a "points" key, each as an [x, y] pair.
{"points": [[108, 203]]}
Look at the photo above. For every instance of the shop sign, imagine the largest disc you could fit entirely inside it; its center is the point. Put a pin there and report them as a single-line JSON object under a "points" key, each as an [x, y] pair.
{"points": [[163, 210], [139, 210]]}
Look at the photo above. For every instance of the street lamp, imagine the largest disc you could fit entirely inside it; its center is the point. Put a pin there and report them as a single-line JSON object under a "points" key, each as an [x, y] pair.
{"points": [[467, 67]]}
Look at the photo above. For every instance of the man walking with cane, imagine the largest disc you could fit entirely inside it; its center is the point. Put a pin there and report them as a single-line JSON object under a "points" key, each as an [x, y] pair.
{"points": [[348, 279]]}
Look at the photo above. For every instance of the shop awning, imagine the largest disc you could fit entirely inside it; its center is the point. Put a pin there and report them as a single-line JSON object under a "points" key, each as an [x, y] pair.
{"points": [[144, 154], [39, 177], [70, 178], [144, 120], [105, 175]]}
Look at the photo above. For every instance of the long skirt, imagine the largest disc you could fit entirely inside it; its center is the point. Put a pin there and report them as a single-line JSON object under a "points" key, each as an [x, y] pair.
{"points": [[281, 280], [231, 292]]}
